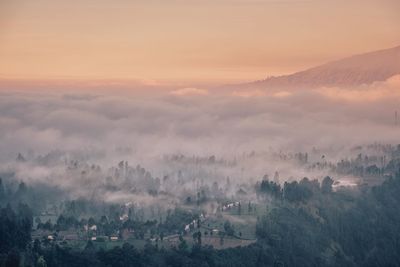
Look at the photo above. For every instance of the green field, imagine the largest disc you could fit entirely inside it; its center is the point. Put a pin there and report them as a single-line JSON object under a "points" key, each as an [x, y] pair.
{"points": [[81, 244], [243, 223]]}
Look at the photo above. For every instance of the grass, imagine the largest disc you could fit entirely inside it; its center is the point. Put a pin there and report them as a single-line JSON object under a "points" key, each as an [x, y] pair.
{"points": [[106, 245]]}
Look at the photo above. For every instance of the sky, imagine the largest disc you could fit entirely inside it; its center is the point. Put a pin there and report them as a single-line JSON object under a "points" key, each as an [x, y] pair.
{"points": [[209, 41]]}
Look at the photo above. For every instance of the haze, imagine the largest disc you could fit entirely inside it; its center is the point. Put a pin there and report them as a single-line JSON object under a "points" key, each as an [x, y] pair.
{"points": [[175, 41]]}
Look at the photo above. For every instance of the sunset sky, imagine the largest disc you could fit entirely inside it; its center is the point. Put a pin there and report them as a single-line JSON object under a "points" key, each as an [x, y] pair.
{"points": [[186, 40]]}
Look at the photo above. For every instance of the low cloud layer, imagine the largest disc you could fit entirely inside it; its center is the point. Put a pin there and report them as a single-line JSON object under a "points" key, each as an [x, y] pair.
{"points": [[194, 121], [76, 141]]}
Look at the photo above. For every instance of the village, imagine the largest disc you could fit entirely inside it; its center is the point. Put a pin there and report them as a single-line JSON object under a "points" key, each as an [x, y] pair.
{"points": [[202, 228]]}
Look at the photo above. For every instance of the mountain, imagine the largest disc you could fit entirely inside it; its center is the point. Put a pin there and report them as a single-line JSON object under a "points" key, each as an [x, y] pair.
{"points": [[352, 71]]}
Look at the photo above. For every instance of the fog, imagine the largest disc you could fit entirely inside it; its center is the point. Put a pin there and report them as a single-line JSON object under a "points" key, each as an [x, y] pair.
{"points": [[179, 129], [197, 121]]}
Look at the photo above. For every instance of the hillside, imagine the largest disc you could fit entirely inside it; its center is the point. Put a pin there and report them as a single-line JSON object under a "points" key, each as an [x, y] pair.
{"points": [[352, 71]]}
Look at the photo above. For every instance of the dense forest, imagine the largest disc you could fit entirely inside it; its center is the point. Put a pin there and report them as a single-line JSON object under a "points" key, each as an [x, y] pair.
{"points": [[307, 224]]}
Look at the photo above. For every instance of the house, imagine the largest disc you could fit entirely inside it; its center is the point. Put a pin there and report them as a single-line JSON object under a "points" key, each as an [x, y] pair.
{"points": [[71, 237], [229, 206], [101, 238], [90, 228], [68, 235], [127, 233], [124, 217], [187, 228], [173, 240], [39, 234]]}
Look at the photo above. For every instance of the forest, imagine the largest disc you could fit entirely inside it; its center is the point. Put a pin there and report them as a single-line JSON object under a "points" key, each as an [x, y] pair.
{"points": [[303, 222]]}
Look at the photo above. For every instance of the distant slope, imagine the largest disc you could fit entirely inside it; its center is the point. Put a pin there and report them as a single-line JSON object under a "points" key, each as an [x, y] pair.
{"points": [[356, 70]]}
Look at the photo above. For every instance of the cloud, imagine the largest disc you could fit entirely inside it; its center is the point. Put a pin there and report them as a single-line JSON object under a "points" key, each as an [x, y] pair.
{"points": [[154, 125], [261, 93], [101, 128], [189, 91], [218, 124], [282, 94], [249, 93], [375, 92]]}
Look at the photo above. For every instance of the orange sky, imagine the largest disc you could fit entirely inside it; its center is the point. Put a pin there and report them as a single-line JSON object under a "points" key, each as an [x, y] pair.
{"points": [[187, 40]]}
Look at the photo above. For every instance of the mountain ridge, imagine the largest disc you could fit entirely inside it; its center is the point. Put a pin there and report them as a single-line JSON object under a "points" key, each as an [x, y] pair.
{"points": [[355, 70]]}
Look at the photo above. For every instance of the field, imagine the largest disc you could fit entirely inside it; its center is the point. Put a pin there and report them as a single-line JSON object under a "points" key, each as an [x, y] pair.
{"points": [[81, 244], [244, 224]]}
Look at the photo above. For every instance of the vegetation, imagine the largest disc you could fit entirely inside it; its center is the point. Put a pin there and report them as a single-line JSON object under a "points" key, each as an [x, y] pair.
{"points": [[307, 226], [304, 222]]}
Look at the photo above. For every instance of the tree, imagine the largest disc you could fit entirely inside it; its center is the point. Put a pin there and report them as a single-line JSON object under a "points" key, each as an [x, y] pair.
{"points": [[276, 177], [182, 244], [22, 189], [13, 258], [2, 190], [20, 158], [36, 246], [296, 192], [15, 229], [41, 262], [162, 236], [228, 227], [197, 237], [326, 185], [91, 222], [269, 188], [221, 239], [89, 246]]}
